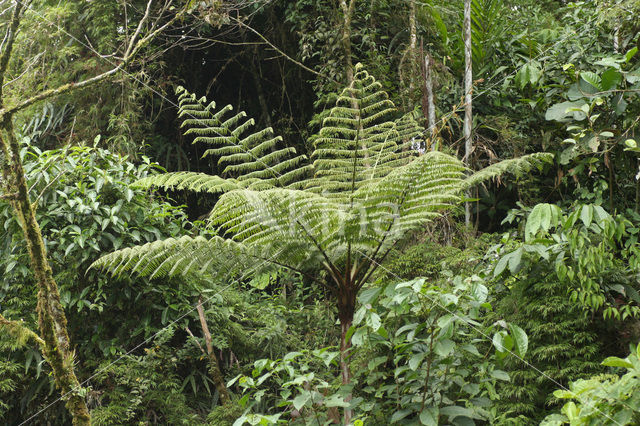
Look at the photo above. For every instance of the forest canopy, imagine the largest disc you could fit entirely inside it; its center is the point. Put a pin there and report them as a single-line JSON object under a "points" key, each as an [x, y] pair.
{"points": [[320, 212]]}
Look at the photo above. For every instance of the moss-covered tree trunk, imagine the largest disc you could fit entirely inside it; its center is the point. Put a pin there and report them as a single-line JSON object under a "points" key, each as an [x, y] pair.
{"points": [[52, 321]]}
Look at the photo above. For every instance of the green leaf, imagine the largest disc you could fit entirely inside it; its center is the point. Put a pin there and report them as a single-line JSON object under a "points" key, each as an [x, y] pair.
{"points": [[429, 416], [301, 400], [610, 79], [586, 214], [614, 361], [591, 78], [500, 375], [571, 410], [630, 54], [501, 266], [520, 338], [369, 295], [502, 341], [515, 259], [560, 112], [534, 221], [453, 411], [335, 401], [444, 347], [416, 360], [399, 415], [479, 292], [593, 143]]}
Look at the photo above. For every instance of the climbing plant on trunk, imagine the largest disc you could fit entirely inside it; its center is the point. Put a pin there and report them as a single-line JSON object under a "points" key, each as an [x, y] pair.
{"points": [[340, 212]]}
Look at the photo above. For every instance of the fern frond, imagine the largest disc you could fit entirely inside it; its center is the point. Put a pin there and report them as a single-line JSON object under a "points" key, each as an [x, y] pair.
{"points": [[245, 153], [516, 166], [191, 181], [217, 258]]}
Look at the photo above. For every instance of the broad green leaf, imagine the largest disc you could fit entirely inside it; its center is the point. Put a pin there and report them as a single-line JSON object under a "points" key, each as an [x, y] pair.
{"points": [[444, 347], [399, 415], [593, 143], [429, 416], [560, 112], [369, 295], [614, 361], [520, 338], [515, 258], [500, 375], [534, 221], [453, 411], [501, 265], [335, 401], [416, 360], [586, 214], [591, 78], [610, 79], [630, 54], [479, 292], [571, 410]]}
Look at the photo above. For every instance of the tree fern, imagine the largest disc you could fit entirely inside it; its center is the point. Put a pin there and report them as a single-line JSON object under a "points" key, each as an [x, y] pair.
{"points": [[366, 190]]}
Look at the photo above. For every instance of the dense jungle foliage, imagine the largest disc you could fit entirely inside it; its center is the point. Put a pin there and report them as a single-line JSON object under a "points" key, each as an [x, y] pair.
{"points": [[233, 212]]}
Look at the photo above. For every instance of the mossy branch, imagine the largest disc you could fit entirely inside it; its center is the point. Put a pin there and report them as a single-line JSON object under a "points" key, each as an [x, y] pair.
{"points": [[20, 331]]}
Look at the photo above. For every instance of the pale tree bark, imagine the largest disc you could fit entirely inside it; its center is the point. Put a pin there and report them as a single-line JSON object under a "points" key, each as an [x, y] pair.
{"points": [[468, 88], [616, 36], [413, 43], [428, 88], [53, 338], [347, 16]]}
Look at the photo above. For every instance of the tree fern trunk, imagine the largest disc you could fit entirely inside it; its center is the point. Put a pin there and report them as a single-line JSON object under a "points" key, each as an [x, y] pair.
{"points": [[345, 372], [346, 309]]}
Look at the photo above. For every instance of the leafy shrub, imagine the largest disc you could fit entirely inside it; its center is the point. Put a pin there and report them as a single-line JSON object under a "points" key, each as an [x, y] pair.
{"points": [[603, 399], [419, 340], [143, 389], [565, 281], [85, 207]]}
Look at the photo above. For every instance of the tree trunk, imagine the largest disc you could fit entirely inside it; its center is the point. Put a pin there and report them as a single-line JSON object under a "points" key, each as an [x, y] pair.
{"points": [[214, 365], [52, 320], [347, 12], [468, 87], [431, 105], [413, 43]]}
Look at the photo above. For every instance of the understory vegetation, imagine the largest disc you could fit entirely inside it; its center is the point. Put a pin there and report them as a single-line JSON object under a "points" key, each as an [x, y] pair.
{"points": [[320, 212]]}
